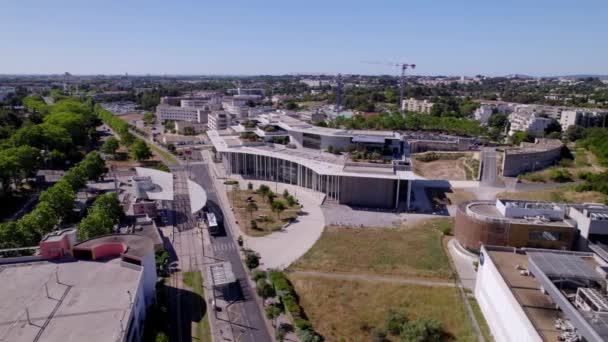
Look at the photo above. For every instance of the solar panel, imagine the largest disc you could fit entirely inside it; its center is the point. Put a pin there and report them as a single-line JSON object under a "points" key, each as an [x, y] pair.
{"points": [[556, 265]]}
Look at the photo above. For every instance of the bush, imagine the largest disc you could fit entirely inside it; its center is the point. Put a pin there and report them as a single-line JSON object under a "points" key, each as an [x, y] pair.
{"points": [[379, 335], [272, 311], [584, 175], [394, 321], [281, 283], [422, 329], [560, 175], [249, 186], [565, 162], [291, 305], [252, 259], [264, 289], [257, 275], [309, 336], [302, 324]]}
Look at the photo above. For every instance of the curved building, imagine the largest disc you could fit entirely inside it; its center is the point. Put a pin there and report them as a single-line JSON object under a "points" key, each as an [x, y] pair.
{"points": [[513, 223]]}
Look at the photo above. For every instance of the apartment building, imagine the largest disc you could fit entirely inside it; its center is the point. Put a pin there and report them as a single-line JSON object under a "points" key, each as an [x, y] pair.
{"points": [[582, 118], [528, 122], [218, 121], [5, 91], [418, 106]]}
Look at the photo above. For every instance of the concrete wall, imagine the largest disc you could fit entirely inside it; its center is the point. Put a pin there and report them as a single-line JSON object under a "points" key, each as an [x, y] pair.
{"points": [[368, 192], [419, 146], [506, 319], [514, 164]]}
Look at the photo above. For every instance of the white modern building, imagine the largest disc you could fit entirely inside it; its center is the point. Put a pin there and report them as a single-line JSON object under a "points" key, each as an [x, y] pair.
{"points": [[174, 113], [582, 118], [218, 121], [542, 295], [483, 113], [528, 122], [418, 106]]}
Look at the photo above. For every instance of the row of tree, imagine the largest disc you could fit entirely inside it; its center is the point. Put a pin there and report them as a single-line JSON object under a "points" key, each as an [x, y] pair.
{"points": [[139, 148], [409, 121], [54, 206]]}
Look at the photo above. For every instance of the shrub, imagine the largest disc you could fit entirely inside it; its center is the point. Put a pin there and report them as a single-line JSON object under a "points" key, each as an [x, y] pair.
{"points": [[584, 175], [257, 275], [565, 162], [253, 224], [252, 259], [264, 289], [272, 311], [394, 322], [560, 175], [422, 329], [378, 335], [309, 336], [281, 283], [291, 305], [302, 324], [249, 186]]}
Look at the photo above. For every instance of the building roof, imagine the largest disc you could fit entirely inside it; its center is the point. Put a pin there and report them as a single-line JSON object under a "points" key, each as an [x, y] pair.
{"points": [[221, 273], [163, 181], [85, 298], [198, 196], [488, 210], [564, 266]]}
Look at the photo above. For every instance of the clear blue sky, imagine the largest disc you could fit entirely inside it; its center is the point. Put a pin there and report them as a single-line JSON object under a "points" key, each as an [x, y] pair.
{"points": [[492, 37]]}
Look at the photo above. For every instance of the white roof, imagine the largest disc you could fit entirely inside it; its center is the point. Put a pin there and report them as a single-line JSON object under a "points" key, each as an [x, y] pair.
{"points": [[163, 180], [198, 196]]}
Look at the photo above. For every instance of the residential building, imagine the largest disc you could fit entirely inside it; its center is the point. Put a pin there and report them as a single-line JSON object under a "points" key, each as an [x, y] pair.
{"points": [[542, 295], [418, 106], [95, 290], [318, 83], [248, 91], [5, 91], [528, 122], [219, 121], [582, 118]]}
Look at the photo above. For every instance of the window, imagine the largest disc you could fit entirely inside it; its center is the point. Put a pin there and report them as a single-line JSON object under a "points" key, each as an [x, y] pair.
{"points": [[311, 141], [544, 236]]}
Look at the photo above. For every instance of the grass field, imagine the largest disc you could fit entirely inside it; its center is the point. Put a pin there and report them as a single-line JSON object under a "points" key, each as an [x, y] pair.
{"points": [[168, 157], [560, 194], [267, 221], [414, 251], [583, 162], [483, 325], [453, 166], [200, 330], [343, 310]]}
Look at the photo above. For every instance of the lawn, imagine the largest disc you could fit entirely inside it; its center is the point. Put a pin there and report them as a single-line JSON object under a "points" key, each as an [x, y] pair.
{"points": [[342, 310], [583, 162], [561, 194], [168, 157], [414, 251], [481, 320], [266, 221], [200, 330]]}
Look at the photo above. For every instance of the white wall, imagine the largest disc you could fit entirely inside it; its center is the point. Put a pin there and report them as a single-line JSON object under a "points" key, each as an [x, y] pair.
{"points": [[506, 319]]}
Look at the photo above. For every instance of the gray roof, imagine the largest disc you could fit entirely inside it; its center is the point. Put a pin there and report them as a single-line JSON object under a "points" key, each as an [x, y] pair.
{"points": [[368, 139], [564, 266], [221, 273]]}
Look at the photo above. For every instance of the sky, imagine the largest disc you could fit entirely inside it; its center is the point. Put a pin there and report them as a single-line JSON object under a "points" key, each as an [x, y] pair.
{"points": [[442, 37]]}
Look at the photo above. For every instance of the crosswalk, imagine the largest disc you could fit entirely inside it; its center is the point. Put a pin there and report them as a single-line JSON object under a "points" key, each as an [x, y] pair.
{"points": [[223, 246]]}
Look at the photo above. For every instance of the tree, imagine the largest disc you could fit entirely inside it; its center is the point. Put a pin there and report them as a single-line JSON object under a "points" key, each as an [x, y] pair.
{"points": [[278, 207], [93, 165], [149, 118], [575, 133], [60, 197], [251, 208], [94, 224], [270, 196], [249, 186], [553, 126], [520, 137], [285, 194], [264, 289], [140, 150], [252, 259], [498, 120], [41, 220], [272, 312], [109, 205], [110, 146], [263, 189]]}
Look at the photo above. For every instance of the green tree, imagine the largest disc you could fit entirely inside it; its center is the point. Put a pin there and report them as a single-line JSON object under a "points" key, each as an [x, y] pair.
{"points": [[252, 260], [110, 146], [71, 122], [109, 205], [519, 137], [94, 224], [270, 196], [140, 150], [395, 321], [93, 165], [278, 207], [149, 118], [60, 197], [264, 289], [41, 220], [498, 120]]}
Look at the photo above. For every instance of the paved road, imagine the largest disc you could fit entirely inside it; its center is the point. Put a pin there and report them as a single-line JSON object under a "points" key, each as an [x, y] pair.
{"points": [[379, 279], [489, 168], [247, 321]]}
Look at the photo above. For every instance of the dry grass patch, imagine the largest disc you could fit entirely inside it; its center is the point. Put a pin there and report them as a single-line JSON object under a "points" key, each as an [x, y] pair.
{"points": [[561, 194], [415, 251], [342, 310], [453, 166]]}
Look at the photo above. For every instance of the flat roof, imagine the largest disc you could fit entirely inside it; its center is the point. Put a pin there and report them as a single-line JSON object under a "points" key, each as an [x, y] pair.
{"points": [[198, 196], [488, 209], [221, 273], [164, 180], [538, 307], [89, 302]]}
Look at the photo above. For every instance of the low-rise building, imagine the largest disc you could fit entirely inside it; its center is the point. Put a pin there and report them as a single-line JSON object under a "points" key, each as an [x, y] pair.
{"points": [[175, 113], [418, 106], [542, 295], [5, 91], [483, 113], [95, 290], [219, 121], [582, 118], [190, 127], [523, 121]]}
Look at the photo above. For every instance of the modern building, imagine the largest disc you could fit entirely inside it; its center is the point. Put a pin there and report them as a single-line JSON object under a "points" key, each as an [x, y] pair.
{"points": [[248, 91], [483, 113], [95, 290], [5, 91], [532, 123], [418, 106], [302, 161], [514, 223], [592, 222], [542, 295]]}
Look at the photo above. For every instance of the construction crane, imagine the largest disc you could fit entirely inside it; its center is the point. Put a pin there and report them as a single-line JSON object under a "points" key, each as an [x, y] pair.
{"points": [[403, 66], [339, 94]]}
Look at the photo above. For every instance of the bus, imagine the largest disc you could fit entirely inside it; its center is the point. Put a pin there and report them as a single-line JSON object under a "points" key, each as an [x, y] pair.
{"points": [[211, 220]]}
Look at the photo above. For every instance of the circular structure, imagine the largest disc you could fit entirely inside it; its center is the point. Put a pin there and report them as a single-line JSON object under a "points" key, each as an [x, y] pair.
{"points": [[480, 223]]}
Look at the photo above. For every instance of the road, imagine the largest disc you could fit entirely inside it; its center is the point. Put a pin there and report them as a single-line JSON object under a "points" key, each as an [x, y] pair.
{"points": [[245, 315], [489, 168]]}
